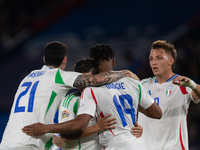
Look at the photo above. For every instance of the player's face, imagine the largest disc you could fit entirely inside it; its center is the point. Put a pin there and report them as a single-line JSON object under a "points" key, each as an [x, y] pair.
{"points": [[160, 62]]}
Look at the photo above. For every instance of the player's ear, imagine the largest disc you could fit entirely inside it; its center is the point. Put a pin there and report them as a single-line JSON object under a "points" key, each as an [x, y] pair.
{"points": [[44, 59], [113, 62], [64, 60], [171, 61]]}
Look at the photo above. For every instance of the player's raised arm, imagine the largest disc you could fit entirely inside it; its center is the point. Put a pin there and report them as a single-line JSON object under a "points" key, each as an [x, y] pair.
{"points": [[187, 82], [102, 78]]}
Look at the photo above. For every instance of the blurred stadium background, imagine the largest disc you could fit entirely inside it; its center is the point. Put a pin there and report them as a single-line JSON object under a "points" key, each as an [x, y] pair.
{"points": [[128, 26]]}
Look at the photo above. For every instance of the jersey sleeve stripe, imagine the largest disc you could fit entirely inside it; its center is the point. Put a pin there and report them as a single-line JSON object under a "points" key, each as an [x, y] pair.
{"points": [[58, 78], [183, 90], [140, 93], [69, 100], [66, 99], [75, 107], [93, 96]]}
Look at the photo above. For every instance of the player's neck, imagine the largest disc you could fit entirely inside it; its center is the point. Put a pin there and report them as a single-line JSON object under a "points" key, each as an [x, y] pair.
{"points": [[52, 67], [164, 77], [81, 89]]}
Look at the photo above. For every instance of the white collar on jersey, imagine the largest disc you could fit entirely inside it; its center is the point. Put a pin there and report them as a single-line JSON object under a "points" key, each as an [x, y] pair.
{"points": [[46, 67], [170, 79]]}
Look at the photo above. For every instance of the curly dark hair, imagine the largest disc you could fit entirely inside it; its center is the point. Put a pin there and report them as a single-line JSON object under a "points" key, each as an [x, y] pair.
{"points": [[101, 52]]}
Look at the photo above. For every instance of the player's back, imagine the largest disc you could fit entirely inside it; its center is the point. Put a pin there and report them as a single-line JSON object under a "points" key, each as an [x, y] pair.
{"points": [[36, 100], [120, 98]]}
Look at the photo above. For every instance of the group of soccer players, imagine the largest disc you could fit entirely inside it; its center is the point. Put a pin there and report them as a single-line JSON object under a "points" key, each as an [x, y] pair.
{"points": [[108, 110]]}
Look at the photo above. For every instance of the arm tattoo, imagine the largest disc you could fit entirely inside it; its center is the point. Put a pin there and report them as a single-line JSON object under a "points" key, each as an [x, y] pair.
{"points": [[99, 79]]}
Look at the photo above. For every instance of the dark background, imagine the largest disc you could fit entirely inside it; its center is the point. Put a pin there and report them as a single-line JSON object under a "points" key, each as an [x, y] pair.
{"points": [[130, 27]]}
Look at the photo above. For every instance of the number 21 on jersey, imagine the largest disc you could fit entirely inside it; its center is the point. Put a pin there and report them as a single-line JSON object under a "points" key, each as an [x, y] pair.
{"points": [[31, 97], [131, 110]]}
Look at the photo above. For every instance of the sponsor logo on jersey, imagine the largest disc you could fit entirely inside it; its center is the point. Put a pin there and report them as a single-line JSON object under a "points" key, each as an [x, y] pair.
{"points": [[169, 90], [65, 114], [116, 86]]}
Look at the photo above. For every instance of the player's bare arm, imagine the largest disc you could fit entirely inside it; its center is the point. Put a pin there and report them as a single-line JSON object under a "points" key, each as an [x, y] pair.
{"points": [[187, 82], [77, 126], [137, 130], [102, 124], [145, 112], [153, 111], [102, 78]]}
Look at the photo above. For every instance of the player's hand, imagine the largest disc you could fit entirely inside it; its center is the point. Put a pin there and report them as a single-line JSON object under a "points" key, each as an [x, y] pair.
{"points": [[132, 75], [105, 123], [137, 130], [180, 78], [184, 82], [57, 141], [35, 129]]}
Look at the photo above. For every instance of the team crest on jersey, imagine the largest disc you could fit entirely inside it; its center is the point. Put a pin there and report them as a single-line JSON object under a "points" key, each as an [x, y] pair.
{"points": [[169, 90], [65, 114]]}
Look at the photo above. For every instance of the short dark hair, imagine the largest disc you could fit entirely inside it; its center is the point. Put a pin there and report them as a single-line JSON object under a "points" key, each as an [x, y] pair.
{"points": [[54, 53], [85, 66], [101, 52], [168, 47]]}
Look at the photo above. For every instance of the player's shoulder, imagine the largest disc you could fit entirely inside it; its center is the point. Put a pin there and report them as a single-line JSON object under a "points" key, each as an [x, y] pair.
{"points": [[148, 80], [36, 73], [126, 78], [68, 72], [130, 80], [73, 94], [127, 81]]}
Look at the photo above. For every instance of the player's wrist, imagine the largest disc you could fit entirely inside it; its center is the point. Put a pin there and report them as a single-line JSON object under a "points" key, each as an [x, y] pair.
{"points": [[191, 84], [47, 129], [97, 128]]}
